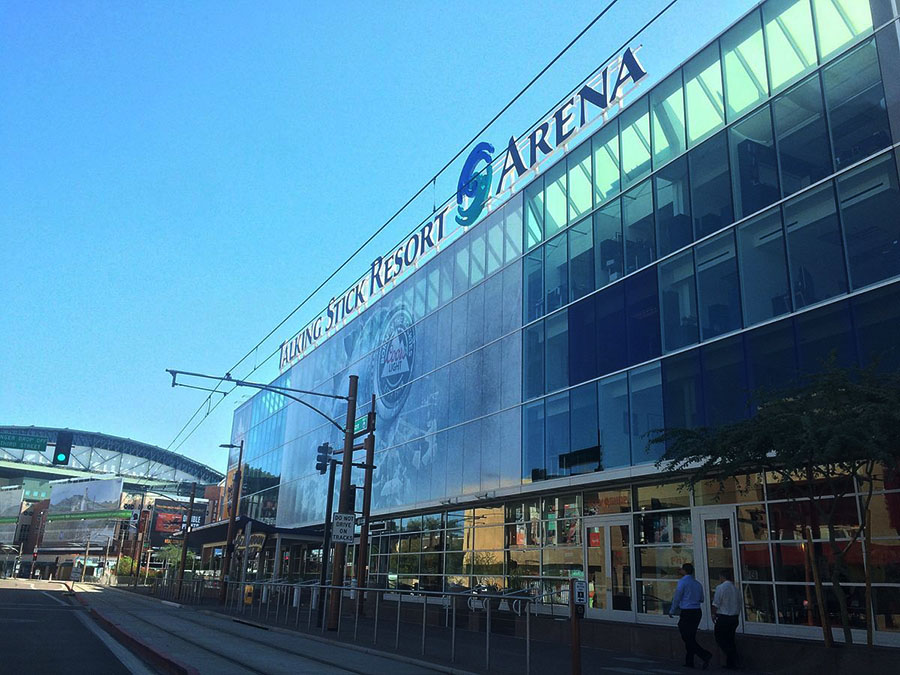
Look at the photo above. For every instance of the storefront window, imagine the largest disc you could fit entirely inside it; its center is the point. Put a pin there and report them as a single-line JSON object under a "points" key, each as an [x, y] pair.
{"points": [[607, 501], [665, 496]]}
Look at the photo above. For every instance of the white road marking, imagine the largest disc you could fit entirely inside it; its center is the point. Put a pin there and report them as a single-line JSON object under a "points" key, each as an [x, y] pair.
{"points": [[129, 660], [54, 598]]}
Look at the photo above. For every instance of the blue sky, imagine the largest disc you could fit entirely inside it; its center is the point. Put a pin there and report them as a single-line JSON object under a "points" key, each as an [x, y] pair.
{"points": [[176, 177]]}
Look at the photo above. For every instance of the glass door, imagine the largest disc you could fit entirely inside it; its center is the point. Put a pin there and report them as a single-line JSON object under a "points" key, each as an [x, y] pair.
{"points": [[609, 567], [718, 543]]}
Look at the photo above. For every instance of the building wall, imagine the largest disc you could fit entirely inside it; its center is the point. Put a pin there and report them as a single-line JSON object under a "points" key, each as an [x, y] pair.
{"points": [[727, 231]]}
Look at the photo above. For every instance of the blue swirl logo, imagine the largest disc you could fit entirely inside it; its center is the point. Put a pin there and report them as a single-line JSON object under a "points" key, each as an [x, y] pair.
{"points": [[474, 184]]}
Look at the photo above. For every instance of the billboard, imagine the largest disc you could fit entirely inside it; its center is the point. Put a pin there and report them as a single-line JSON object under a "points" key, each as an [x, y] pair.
{"points": [[10, 507], [82, 512]]}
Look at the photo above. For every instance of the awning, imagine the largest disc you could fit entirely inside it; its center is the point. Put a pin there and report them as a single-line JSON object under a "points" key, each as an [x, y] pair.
{"points": [[216, 533]]}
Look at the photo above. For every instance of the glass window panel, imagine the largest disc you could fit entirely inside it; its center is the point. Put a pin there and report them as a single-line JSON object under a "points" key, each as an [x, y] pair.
{"points": [[476, 258], [582, 341], [557, 435], [710, 187], [804, 151], [640, 235], [557, 359], [581, 259], [755, 562], [724, 382], [533, 358], [868, 195], [763, 265], [642, 316], [654, 596], [667, 118], [512, 225], [754, 168], [461, 268], [563, 562], [494, 227], [615, 440], [883, 508], [605, 145], [609, 256], [840, 22], [759, 603], [682, 393], [534, 213], [815, 250], [743, 52], [607, 501], [533, 441], [556, 273], [646, 407], [717, 286], [734, 489], [886, 610], [612, 351], [656, 497], [555, 199], [790, 43], [584, 455], [678, 301], [703, 94], [580, 190], [771, 362], [673, 207], [634, 125], [876, 316], [856, 107], [823, 334], [660, 562], [533, 270]]}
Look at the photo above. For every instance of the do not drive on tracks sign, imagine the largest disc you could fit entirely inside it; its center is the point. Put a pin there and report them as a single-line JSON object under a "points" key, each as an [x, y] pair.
{"points": [[342, 528]]}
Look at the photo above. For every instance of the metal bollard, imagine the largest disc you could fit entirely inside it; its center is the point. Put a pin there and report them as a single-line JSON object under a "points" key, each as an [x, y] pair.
{"points": [[397, 640], [453, 633], [309, 610], [375, 635], [340, 609], [424, 615], [487, 645], [325, 618], [356, 612], [528, 639]]}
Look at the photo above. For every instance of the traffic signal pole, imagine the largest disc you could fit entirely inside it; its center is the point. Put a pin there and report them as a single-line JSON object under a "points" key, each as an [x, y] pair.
{"points": [[345, 503], [184, 542], [363, 551], [326, 543], [229, 537]]}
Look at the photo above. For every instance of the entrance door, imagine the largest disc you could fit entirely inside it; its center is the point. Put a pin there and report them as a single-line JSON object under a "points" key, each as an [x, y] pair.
{"points": [[718, 551], [609, 567]]}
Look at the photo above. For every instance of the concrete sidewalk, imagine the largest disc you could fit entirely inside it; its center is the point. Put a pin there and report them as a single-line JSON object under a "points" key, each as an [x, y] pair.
{"points": [[219, 645]]}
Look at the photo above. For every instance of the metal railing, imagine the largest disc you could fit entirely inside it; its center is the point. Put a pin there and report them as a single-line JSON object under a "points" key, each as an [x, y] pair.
{"points": [[379, 610]]}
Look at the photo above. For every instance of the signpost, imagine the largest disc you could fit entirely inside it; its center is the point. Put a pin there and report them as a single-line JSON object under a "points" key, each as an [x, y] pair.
{"points": [[342, 528]]}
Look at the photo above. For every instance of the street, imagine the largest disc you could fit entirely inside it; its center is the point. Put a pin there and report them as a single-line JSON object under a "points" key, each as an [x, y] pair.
{"points": [[43, 631]]}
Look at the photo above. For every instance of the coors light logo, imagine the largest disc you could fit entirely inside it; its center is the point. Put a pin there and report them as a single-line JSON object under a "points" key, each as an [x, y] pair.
{"points": [[394, 365]]}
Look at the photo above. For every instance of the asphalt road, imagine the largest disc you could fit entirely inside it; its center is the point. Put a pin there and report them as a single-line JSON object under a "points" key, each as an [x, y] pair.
{"points": [[41, 632]]}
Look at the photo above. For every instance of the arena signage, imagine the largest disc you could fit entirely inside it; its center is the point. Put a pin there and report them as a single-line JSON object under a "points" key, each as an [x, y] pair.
{"points": [[384, 270], [474, 193]]}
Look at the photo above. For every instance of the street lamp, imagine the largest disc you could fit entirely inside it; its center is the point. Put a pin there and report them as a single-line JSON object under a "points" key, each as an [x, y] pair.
{"points": [[229, 538]]}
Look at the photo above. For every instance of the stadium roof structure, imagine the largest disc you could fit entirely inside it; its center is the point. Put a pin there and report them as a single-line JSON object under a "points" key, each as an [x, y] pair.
{"points": [[115, 444]]}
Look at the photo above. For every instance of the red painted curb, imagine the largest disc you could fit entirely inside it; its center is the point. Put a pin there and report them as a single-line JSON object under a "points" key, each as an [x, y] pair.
{"points": [[159, 659]]}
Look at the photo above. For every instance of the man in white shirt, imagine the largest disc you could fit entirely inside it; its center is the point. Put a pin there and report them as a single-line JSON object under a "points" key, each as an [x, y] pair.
{"points": [[726, 613]]}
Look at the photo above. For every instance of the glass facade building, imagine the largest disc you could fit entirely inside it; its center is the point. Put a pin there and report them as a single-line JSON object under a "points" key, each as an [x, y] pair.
{"points": [[727, 231]]}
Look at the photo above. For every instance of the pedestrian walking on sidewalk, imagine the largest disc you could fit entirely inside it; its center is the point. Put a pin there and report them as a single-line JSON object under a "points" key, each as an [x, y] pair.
{"points": [[687, 602], [726, 612]]}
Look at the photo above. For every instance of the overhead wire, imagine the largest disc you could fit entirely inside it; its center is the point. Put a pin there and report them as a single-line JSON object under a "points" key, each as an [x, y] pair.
{"points": [[431, 181]]}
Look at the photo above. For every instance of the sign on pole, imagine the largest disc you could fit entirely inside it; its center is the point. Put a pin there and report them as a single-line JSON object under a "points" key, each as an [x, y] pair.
{"points": [[361, 424], [581, 592], [342, 527]]}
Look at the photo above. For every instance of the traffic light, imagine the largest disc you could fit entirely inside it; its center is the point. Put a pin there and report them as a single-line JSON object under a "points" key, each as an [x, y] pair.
{"points": [[63, 448], [323, 457]]}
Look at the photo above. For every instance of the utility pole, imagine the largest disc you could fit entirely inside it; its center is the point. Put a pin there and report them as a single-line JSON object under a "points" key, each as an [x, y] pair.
{"points": [[326, 543], [184, 542], [87, 547], [135, 557], [229, 537], [345, 503], [362, 575]]}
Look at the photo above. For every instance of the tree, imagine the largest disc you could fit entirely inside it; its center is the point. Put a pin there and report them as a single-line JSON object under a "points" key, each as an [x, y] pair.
{"points": [[819, 439], [170, 554], [124, 566]]}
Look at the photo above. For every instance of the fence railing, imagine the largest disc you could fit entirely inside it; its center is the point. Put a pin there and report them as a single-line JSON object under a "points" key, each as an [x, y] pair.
{"points": [[375, 615]]}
